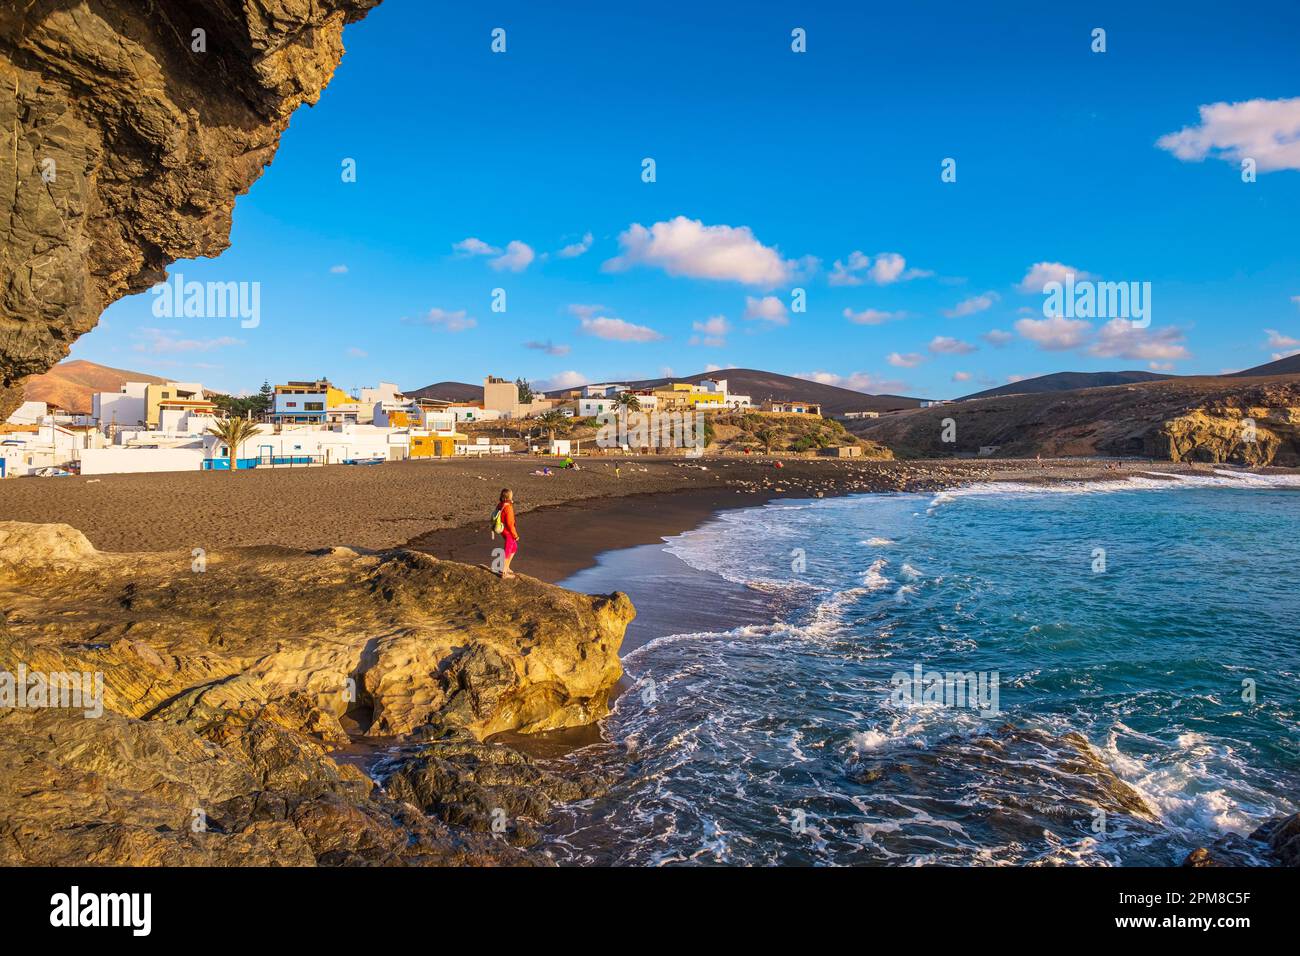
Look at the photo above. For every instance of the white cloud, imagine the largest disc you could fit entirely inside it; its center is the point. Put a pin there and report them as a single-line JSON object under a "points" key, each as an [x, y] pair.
{"points": [[1294, 298], [549, 347], [715, 368], [1055, 334], [846, 273], [338, 270], [457, 321], [961, 376], [1161, 366], [888, 268], [1285, 344], [768, 309], [908, 360], [997, 338], [586, 311], [517, 257], [976, 303], [576, 249], [872, 316], [711, 332], [1118, 338], [687, 247], [616, 330], [946, 345], [163, 342], [1041, 273], [858, 381], [475, 247], [569, 379], [355, 352], [1267, 131]]}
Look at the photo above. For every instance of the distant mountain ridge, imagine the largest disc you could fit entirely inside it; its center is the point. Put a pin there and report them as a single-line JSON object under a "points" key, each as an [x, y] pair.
{"points": [[1283, 366], [763, 386], [1073, 381], [1067, 382], [70, 385], [449, 392]]}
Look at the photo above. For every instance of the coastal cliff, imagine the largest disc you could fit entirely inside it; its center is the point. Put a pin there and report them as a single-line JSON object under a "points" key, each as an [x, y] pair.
{"points": [[229, 677], [130, 129], [1244, 421]]}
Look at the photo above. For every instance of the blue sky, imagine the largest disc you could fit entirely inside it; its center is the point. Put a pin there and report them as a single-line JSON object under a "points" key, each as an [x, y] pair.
{"points": [[770, 166]]}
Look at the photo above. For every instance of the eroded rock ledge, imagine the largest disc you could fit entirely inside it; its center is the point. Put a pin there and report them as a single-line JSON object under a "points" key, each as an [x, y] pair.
{"points": [[227, 677], [125, 147]]}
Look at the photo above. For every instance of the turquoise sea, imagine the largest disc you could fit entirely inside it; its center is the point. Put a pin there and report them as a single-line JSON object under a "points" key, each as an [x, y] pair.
{"points": [[1155, 621]]}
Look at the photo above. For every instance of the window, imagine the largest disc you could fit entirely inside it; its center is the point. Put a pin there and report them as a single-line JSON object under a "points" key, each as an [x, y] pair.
{"points": [[290, 404], [314, 406]]}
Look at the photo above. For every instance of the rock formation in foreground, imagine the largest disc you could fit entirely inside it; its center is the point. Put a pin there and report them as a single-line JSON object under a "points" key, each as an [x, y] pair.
{"points": [[128, 136], [228, 679]]}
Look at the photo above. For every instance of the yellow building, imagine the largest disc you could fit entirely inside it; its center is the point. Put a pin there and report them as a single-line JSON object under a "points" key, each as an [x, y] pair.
{"points": [[681, 395], [435, 446], [155, 393]]}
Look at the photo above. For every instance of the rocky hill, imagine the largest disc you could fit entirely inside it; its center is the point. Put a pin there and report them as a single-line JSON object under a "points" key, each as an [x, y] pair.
{"points": [[71, 385], [768, 433], [449, 392], [1067, 382], [1181, 419], [1290, 365]]}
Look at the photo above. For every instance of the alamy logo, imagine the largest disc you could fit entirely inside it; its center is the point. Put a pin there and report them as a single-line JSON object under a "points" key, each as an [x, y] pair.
{"points": [[651, 430], [75, 908], [179, 299], [37, 690], [974, 690], [1086, 299]]}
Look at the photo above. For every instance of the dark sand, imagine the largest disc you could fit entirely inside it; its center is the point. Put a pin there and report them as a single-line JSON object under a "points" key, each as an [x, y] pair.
{"points": [[388, 505]]}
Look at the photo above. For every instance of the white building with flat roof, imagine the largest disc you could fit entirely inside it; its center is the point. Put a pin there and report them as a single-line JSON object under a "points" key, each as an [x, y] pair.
{"points": [[125, 408]]}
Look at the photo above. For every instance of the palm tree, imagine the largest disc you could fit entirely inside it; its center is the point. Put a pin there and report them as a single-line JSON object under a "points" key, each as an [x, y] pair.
{"points": [[628, 402], [234, 432], [767, 436], [552, 421]]}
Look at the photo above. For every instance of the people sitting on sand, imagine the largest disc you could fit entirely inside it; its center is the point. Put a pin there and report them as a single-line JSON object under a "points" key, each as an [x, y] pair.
{"points": [[503, 523]]}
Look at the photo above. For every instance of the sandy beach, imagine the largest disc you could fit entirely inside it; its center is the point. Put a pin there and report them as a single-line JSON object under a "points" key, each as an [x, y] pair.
{"points": [[442, 507]]}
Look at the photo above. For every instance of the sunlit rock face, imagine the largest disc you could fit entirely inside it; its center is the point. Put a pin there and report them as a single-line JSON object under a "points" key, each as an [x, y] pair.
{"points": [[214, 692], [129, 130]]}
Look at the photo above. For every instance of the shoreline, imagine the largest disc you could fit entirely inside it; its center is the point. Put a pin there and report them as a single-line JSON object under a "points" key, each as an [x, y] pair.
{"points": [[561, 540], [392, 505]]}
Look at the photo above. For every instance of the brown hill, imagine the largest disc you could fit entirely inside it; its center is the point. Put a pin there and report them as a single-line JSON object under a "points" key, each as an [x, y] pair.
{"points": [[70, 385], [449, 392], [1068, 381], [1179, 419], [763, 386], [1283, 366]]}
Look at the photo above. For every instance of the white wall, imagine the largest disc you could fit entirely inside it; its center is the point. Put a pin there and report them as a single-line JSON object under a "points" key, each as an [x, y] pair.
{"points": [[117, 461], [29, 413], [124, 409]]}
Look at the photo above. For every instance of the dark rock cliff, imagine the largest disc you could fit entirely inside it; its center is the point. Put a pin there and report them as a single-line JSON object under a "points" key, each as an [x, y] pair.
{"points": [[129, 128]]}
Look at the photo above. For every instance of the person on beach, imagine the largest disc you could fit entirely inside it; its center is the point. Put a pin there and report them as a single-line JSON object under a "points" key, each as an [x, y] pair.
{"points": [[503, 523]]}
